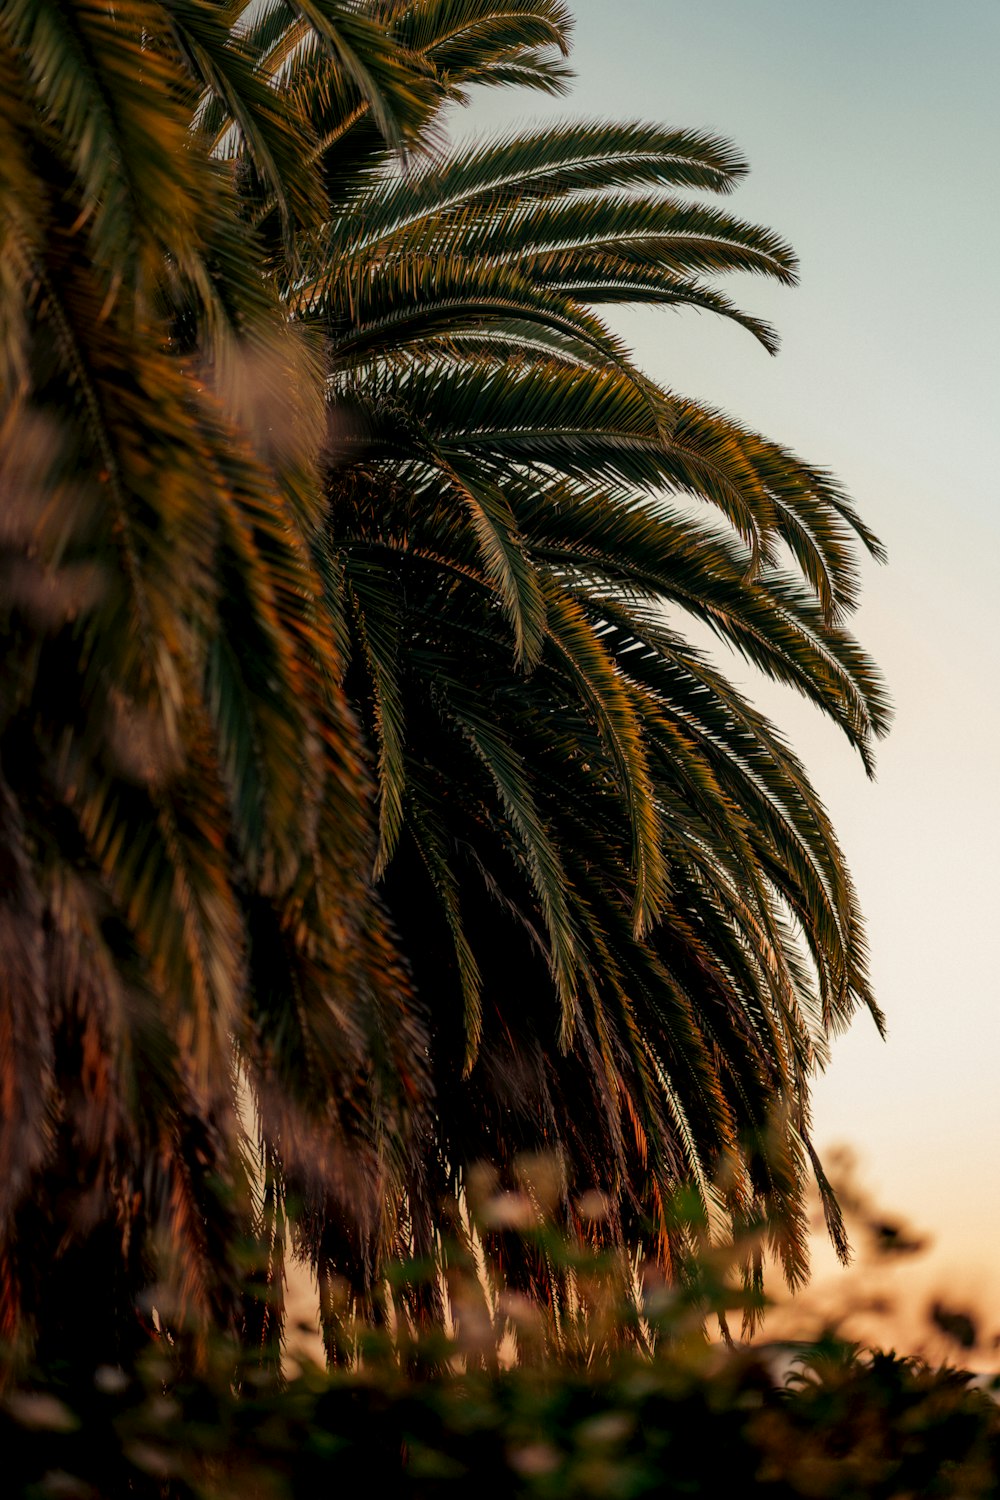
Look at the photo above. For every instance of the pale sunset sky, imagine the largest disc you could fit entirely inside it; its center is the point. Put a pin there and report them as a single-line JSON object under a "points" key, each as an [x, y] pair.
{"points": [[873, 132]]}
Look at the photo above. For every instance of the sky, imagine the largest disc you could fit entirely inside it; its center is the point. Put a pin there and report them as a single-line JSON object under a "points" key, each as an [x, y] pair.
{"points": [[873, 132]]}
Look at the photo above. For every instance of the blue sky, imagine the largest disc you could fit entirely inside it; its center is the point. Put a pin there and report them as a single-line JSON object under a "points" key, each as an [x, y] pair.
{"points": [[873, 132]]}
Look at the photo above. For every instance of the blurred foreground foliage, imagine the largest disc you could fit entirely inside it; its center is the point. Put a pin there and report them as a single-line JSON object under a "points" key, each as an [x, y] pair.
{"points": [[604, 1395], [695, 1419]]}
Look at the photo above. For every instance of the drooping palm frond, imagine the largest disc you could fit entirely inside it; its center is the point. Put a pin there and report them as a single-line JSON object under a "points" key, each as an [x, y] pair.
{"points": [[750, 863]]}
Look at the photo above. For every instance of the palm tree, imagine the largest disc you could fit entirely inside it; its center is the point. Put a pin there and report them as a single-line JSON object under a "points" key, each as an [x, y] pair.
{"points": [[185, 845], [624, 906], [329, 491]]}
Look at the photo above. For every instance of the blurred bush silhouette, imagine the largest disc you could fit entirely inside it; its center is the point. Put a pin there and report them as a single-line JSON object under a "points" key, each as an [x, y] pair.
{"points": [[621, 1391]]}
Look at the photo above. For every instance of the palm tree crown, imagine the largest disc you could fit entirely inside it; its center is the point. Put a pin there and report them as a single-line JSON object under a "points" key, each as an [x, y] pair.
{"points": [[623, 903], [330, 491]]}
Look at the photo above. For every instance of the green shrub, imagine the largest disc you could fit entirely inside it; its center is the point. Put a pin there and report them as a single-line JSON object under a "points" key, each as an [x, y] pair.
{"points": [[695, 1418]]}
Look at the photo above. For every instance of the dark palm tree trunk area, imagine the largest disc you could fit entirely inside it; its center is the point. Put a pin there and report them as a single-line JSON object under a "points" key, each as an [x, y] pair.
{"points": [[388, 883]]}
